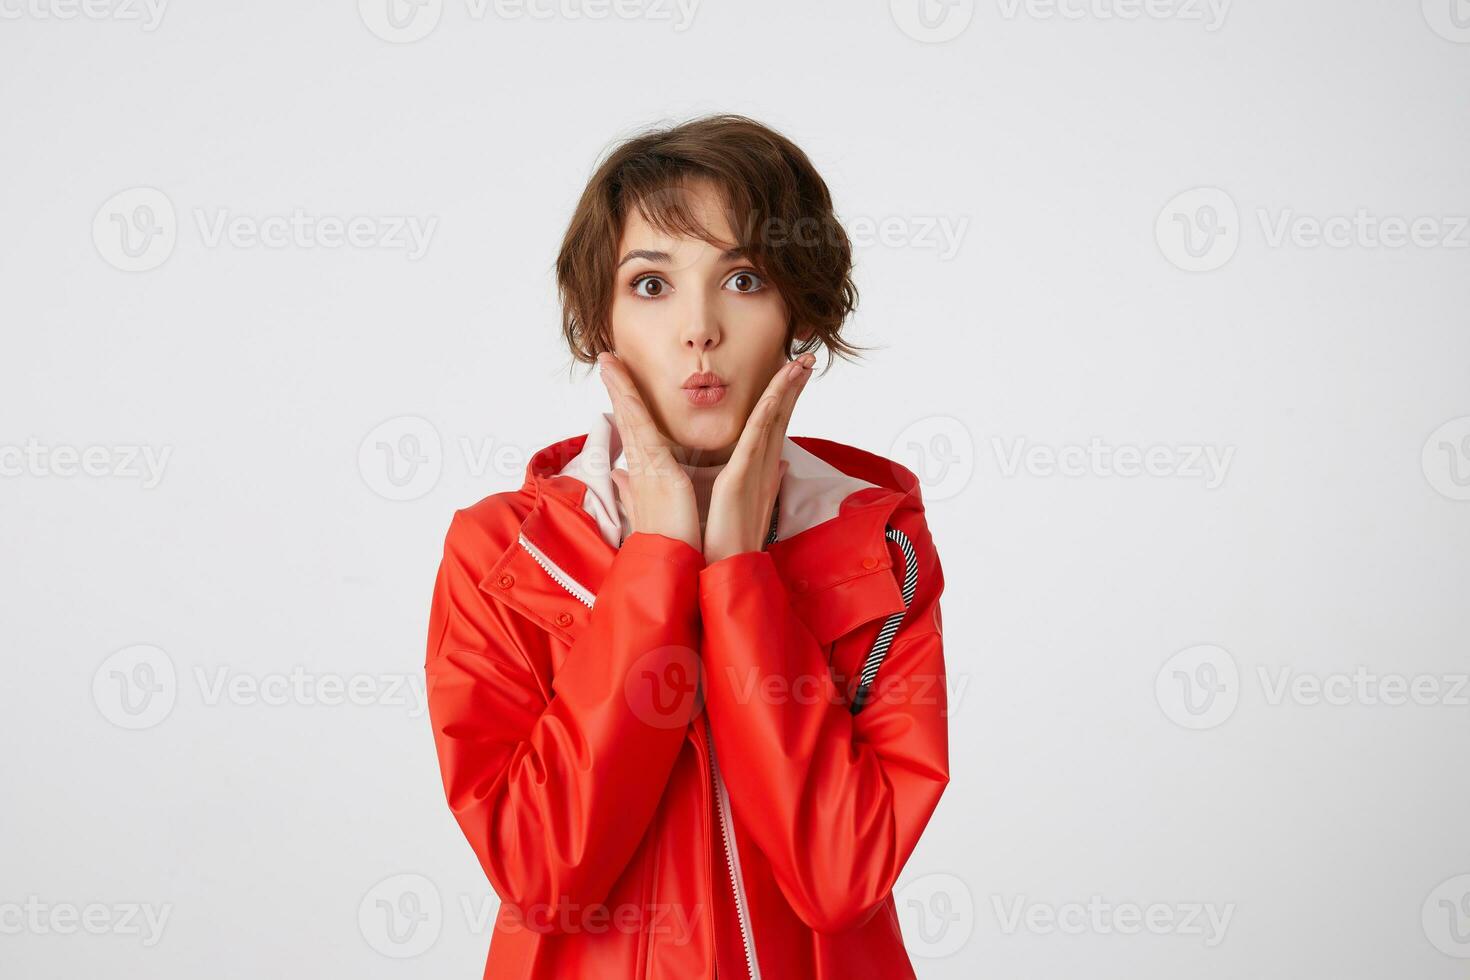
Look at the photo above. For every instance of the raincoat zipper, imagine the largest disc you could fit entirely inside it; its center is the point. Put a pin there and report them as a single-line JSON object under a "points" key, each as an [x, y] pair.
{"points": [[732, 857], [722, 798], [577, 589]]}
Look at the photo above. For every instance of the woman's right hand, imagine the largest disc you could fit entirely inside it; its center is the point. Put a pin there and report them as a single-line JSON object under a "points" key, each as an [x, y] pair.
{"points": [[655, 489]]}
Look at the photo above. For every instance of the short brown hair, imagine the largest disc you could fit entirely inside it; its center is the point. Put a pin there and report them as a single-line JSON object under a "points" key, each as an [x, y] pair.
{"points": [[779, 209]]}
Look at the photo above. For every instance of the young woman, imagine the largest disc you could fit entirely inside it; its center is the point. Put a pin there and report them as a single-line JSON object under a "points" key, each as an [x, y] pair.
{"points": [[687, 682]]}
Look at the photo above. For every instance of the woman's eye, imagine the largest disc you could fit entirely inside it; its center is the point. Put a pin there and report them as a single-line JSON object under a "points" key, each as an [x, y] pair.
{"points": [[746, 282], [655, 286]]}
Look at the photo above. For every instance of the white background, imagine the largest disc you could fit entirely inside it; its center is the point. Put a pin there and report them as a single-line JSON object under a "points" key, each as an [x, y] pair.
{"points": [[1086, 760]]}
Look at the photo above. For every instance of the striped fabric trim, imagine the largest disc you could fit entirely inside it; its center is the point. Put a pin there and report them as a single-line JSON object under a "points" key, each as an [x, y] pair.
{"points": [[876, 655], [890, 625]]}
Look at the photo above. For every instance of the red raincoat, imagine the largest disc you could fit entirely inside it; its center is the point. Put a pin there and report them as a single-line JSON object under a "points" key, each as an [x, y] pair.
{"points": [[574, 691]]}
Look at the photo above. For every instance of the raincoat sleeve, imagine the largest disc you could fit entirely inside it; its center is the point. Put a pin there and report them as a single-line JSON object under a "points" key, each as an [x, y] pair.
{"points": [[835, 801], [555, 794]]}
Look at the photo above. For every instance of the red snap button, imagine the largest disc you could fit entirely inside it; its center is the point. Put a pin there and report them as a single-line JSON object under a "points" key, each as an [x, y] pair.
{"points": [[801, 585], [506, 580], [563, 619], [869, 562]]}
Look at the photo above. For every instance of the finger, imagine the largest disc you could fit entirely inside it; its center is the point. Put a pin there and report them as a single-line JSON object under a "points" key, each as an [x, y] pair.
{"points": [[625, 497], [750, 448], [614, 394], [790, 390], [642, 439]]}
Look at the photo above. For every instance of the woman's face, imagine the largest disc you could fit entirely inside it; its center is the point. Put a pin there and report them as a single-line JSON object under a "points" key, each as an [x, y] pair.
{"points": [[682, 306]]}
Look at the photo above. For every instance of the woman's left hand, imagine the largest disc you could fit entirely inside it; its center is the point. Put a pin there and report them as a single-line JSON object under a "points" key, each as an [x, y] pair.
{"points": [[745, 491]]}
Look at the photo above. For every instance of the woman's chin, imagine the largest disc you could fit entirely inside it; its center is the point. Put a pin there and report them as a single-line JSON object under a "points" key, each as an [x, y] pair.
{"points": [[706, 429]]}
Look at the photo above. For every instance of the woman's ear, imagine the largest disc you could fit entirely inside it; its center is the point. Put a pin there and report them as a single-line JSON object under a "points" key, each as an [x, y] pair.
{"points": [[800, 334]]}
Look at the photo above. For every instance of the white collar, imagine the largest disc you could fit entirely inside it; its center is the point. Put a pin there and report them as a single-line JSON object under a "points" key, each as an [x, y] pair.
{"points": [[811, 492]]}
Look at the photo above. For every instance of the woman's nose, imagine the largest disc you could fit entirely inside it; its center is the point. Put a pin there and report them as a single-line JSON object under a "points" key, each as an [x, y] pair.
{"points": [[701, 326]]}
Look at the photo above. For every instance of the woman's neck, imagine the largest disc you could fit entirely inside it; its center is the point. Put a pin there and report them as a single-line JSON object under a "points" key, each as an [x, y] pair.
{"points": [[703, 478], [702, 458]]}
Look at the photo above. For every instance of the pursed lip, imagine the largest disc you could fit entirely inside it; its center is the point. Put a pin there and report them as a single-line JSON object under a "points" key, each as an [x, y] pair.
{"points": [[704, 379]]}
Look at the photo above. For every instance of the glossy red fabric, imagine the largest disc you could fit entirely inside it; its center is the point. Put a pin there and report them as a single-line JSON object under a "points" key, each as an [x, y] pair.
{"points": [[574, 741]]}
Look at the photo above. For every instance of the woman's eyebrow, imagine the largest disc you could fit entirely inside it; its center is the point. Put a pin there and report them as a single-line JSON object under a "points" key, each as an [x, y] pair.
{"points": [[653, 256]]}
